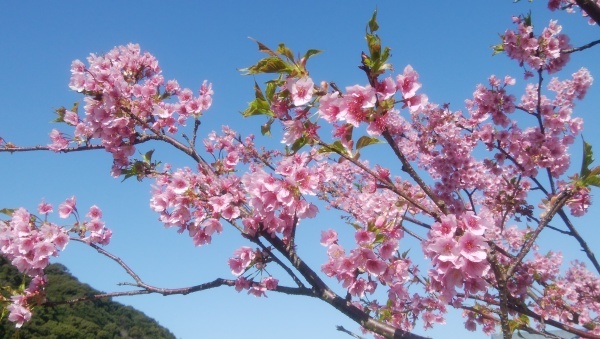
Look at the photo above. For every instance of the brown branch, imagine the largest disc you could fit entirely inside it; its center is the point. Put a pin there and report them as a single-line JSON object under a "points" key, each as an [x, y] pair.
{"points": [[279, 262], [590, 8], [323, 292], [407, 167], [147, 289], [388, 184], [114, 258], [580, 48], [350, 333], [14, 149], [518, 307], [584, 246], [556, 203], [501, 279]]}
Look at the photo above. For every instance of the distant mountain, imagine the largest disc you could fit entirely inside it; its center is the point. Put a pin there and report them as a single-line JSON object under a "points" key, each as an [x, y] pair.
{"points": [[96, 319]]}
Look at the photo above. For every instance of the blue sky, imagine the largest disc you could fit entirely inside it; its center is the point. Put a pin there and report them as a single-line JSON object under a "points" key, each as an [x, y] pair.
{"points": [[447, 42]]}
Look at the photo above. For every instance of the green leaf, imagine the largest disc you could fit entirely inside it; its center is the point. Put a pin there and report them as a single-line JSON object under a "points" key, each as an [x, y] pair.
{"points": [[61, 114], [265, 129], [499, 48], [7, 211], [128, 174], [258, 107], [270, 91], [374, 44], [373, 25], [595, 171], [527, 19], [592, 181], [336, 147], [283, 50], [272, 64], [385, 55], [365, 141], [355, 225], [148, 156], [311, 52], [298, 144], [588, 158]]}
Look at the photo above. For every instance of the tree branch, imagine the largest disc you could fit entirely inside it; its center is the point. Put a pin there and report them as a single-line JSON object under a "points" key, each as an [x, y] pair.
{"points": [[388, 183], [590, 8], [556, 204], [407, 167], [323, 292], [581, 48]]}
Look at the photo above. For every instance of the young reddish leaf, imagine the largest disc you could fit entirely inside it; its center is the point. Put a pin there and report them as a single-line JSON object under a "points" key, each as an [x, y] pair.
{"points": [[263, 48], [258, 94]]}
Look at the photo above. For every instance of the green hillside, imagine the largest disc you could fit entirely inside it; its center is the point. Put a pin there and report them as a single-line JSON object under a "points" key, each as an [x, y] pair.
{"points": [[90, 319]]}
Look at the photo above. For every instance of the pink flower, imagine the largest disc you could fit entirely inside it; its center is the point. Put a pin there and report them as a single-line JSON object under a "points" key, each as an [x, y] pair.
{"points": [[179, 183], [328, 237], [388, 248], [407, 83], [19, 314], [212, 225], [446, 249], [446, 227], [301, 90], [364, 237], [59, 142], [243, 257], [331, 107], [270, 283], [66, 208], [473, 247], [375, 267], [236, 265], [386, 88], [71, 118], [294, 129], [44, 208], [257, 291], [242, 283], [94, 213]]}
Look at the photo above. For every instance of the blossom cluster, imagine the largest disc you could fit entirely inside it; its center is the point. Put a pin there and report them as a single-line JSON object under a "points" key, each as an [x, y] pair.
{"points": [[357, 104], [243, 260], [28, 242], [465, 202], [541, 52], [458, 250], [123, 102], [278, 200]]}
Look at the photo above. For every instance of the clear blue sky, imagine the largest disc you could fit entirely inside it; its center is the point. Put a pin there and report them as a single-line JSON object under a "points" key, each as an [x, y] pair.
{"points": [[447, 42]]}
